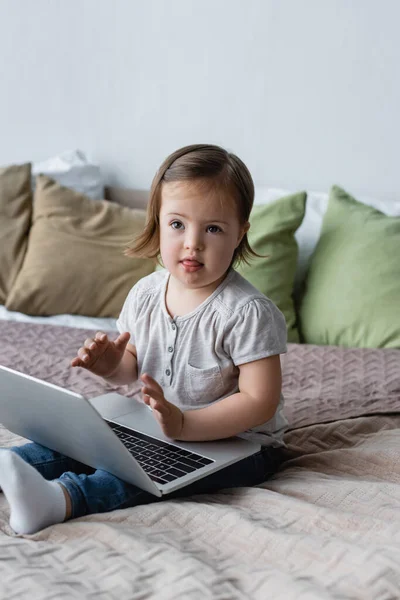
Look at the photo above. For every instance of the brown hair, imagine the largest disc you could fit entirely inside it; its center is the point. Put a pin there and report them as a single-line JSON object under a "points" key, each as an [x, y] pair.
{"points": [[204, 163]]}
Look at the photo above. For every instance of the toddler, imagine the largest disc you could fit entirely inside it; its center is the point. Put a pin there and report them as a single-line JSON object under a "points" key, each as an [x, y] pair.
{"points": [[203, 341]]}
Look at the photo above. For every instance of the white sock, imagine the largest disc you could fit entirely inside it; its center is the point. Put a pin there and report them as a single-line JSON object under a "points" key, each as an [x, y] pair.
{"points": [[35, 503]]}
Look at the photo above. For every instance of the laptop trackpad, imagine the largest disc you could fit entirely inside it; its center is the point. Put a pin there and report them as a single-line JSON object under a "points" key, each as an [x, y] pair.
{"points": [[111, 406], [129, 412]]}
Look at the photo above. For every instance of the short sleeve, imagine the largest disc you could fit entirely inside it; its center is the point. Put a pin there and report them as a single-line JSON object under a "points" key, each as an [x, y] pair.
{"points": [[256, 330], [127, 318]]}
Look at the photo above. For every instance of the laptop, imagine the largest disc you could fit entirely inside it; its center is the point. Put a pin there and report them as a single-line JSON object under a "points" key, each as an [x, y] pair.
{"points": [[111, 432]]}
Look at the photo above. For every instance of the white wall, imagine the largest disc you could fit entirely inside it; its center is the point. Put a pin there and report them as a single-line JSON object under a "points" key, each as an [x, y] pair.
{"points": [[306, 92]]}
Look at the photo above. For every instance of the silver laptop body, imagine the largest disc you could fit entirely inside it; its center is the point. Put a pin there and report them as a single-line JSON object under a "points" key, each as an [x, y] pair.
{"points": [[106, 433]]}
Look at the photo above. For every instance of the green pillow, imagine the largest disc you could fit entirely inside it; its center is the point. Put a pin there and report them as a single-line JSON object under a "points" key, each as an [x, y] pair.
{"points": [[352, 294], [272, 229]]}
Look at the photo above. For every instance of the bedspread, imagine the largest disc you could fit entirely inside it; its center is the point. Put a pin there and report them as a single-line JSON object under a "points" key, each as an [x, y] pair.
{"points": [[327, 525]]}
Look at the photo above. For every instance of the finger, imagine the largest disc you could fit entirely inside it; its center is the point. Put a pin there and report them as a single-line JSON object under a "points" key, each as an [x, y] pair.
{"points": [[90, 344], [152, 383], [154, 393], [101, 337], [122, 340], [76, 362], [155, 401], [160, 407], [84, 355]]}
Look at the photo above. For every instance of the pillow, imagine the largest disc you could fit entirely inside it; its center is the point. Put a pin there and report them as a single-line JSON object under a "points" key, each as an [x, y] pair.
{"points": [[272, 232], [74, 262], [352, 294], [73, 170], [309, 231], [15, 216]]}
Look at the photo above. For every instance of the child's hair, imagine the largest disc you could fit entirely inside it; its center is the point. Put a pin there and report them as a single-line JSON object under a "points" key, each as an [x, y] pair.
{"points": [[206, 163]]}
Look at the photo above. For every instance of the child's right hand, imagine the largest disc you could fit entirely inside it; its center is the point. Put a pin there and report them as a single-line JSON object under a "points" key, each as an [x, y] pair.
{"points": [[100, 355]]}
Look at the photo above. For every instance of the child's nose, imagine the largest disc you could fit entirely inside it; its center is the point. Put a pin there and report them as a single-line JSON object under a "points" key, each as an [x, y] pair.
{"points": [[194, 241]]}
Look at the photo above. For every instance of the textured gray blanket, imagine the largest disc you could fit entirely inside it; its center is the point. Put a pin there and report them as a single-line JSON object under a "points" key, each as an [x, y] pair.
{"points": [[326, 526]]}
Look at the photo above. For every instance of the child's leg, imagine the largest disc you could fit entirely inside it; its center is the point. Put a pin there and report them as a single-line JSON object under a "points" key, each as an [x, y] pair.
{"points": [[101, 492], [249, 472], [49, 463], [36, 503]]}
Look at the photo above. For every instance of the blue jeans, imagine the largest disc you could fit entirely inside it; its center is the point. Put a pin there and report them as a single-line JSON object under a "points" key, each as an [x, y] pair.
{"points": [[96, 491]]}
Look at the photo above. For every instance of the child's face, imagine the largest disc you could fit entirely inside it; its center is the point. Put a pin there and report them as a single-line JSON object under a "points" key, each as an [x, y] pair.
{"points": [[194, 225]]}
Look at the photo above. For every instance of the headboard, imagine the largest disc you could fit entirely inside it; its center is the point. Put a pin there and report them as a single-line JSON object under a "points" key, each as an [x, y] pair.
{"points": [[127, 197]]}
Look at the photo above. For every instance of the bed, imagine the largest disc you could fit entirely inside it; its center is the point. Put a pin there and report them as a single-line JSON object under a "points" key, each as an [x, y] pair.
{"points": [[325, 526]]}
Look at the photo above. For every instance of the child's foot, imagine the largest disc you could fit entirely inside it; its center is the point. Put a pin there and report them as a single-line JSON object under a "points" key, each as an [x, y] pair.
{"points": [[35, 503]]}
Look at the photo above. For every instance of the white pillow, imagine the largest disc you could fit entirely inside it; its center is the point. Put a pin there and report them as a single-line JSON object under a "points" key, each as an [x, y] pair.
{"points": [[309, 231], [72, 169]]}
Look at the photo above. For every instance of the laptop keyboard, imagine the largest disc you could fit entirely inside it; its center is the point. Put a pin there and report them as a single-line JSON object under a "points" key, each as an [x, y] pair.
{"points": [[161, 461]]}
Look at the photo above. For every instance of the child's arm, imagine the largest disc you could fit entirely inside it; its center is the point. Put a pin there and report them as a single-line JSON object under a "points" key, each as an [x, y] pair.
{"points": [[260, 385], [115, 361]]}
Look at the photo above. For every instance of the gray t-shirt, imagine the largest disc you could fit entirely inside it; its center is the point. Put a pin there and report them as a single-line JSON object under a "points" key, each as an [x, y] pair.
{"points": [[195, 357]]}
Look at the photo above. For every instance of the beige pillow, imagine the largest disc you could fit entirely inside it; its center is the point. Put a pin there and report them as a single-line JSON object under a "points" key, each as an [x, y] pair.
{"points": [[74, 262], [15, 217]]}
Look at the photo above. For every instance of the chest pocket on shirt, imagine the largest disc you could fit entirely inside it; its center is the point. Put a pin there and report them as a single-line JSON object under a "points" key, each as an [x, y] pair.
{"points": [[203, 385]]}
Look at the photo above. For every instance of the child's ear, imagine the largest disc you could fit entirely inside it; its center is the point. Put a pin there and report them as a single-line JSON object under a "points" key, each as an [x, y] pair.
{"points": [[243, 231]]}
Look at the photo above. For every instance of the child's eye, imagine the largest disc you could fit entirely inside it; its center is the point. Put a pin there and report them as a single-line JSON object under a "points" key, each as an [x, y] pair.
{"points": [[215, 228], [176, 224]]}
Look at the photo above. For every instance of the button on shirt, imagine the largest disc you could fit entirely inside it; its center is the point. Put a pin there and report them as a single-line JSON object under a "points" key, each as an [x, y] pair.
{"points": [[195, 357]]}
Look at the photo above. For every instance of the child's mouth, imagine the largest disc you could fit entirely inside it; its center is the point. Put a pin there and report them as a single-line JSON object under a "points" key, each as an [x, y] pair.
{"points": [[191, 265]]}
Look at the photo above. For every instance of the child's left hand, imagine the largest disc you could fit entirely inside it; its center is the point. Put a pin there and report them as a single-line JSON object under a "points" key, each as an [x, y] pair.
{"points": [[168, 415]]}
